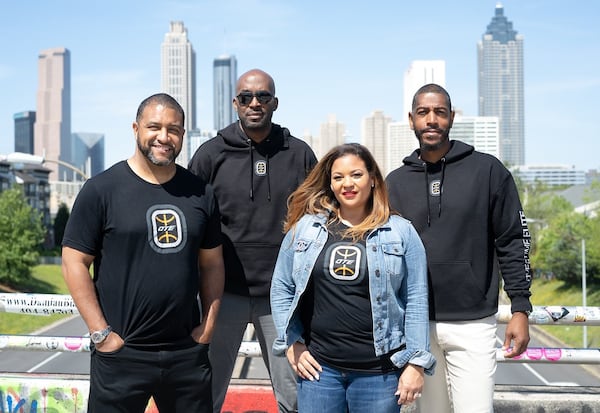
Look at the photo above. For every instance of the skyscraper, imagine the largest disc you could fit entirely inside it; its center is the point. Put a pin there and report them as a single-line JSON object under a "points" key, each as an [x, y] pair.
{"points": [[500, 67], [224, 79], [375, 137], [178, 78], [332, 133], [52, 130], [421, 72], [401, 143], [24, 127], [87, 150], [479, 131]]}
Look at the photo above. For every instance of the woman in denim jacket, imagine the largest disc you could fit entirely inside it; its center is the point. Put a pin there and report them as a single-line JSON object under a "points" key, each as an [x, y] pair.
{"points": [[349, 291]]}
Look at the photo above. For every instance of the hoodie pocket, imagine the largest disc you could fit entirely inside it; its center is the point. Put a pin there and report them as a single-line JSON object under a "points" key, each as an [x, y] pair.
{"points": [[455, 289]]}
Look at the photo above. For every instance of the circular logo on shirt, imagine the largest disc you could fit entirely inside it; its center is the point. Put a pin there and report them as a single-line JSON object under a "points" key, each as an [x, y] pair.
{"points": [[166, 228]]}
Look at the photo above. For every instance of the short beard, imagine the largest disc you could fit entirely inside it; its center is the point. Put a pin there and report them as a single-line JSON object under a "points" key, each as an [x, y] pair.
{"points": [[147, 152], [264, 124], [426, 147]]}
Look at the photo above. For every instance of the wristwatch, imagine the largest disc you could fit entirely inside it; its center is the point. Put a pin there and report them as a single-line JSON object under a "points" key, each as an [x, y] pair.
{"points": [[99, 336]]}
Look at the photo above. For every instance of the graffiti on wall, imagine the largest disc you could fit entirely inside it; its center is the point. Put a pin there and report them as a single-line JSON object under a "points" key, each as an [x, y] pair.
{"points": [[43, 396], [39, 394]]}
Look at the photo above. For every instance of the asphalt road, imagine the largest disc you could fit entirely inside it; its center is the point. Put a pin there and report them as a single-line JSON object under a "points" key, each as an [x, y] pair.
{"points": [[532, 374]]}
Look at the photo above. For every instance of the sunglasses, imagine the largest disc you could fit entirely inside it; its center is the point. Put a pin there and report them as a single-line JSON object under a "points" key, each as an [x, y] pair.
{"points": [[262, 96]]}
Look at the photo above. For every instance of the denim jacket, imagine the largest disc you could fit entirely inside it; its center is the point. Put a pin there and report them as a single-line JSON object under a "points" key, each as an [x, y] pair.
{"points": [[397, 286]]}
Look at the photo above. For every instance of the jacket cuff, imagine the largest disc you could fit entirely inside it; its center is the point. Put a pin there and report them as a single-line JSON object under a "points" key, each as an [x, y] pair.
{"points": [[417, 357], [520, 303]]}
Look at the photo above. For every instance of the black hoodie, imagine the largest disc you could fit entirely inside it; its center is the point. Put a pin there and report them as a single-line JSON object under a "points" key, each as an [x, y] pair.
{"points": [[467, 210], [252, 182]]}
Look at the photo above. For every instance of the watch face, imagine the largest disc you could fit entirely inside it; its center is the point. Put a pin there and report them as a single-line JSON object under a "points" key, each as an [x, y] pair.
{"points": [[99, 336]]}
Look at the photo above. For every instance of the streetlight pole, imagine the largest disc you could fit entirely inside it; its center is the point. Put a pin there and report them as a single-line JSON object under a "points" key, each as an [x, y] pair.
{"points": [[583, 288], [69, 166]]}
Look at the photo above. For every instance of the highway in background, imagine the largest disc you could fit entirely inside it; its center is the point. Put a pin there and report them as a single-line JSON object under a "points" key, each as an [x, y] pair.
{"points": [[17, 361]]}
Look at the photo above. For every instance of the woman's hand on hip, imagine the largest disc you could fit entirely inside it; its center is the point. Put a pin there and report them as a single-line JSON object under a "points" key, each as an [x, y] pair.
{"points": [[303, 363]]}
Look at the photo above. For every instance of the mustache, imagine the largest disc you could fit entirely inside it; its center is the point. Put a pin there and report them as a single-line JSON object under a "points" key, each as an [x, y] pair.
{"points": [[438, 130]]}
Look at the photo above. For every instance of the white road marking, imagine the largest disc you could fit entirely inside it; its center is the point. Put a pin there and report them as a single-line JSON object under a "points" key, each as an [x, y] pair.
{"points": [[43, 362]]}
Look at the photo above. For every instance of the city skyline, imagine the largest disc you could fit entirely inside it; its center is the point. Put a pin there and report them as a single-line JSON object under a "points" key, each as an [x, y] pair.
{"points": [[224, 82], [500, 60], [348, 61], [52, 128], [178, 77]]}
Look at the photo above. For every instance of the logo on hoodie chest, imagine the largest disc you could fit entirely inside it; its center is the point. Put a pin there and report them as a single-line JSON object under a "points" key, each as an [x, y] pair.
{"points": [[260, 168], [435, 187]]}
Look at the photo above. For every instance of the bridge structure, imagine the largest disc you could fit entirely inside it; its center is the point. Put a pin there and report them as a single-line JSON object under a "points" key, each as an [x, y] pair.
{"points": [[30, 392]]}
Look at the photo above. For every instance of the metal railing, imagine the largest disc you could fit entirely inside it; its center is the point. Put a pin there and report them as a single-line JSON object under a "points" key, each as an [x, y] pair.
{"points": [[68, 393], [50, 304]]}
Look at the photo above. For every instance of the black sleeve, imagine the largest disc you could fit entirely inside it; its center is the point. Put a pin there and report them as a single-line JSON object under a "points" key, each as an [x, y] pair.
{"points": [[201, 163], [513, 243], [85, 227], [212, 236]]}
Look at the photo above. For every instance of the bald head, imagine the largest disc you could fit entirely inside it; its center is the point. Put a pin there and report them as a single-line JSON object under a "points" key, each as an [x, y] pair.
{"points": [[253, 76]]}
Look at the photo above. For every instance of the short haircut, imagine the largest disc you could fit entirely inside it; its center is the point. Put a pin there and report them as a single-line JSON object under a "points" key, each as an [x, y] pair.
{"points": [[160, 99], [431, 88]]}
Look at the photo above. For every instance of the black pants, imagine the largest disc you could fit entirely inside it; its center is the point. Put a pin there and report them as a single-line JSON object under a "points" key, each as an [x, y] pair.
{"points": [[123, 381]]}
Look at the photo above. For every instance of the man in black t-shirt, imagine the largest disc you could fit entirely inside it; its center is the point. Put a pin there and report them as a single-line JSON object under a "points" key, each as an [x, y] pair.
{"points": [[152, 231]]}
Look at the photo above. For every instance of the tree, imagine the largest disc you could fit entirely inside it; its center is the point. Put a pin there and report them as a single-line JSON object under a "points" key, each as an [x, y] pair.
{"points": [[559, 248], [60, 222], [21, 235], [541, 205]]}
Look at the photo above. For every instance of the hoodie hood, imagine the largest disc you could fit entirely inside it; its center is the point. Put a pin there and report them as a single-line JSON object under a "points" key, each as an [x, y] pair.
{"points": [[252, 182], [235, 137], [458, 150], [278, 139], [471, 222]]}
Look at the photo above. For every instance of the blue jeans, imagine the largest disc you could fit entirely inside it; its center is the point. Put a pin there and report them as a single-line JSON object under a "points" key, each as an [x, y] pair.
{"points": [[337, 391]]}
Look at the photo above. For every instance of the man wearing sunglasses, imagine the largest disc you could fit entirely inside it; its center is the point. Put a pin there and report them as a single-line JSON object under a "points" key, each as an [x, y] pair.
{"points": [[253, 165]]}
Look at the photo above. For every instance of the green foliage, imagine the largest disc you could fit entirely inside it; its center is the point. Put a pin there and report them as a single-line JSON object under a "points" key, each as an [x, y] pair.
{"points": [[557, 232], [60, 222], [21, 235], [559, 249], [45, 279], [541, 205]]}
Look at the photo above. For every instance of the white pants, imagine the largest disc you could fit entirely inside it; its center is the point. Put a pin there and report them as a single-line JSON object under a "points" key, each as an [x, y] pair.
{"points": [[466, 363]]}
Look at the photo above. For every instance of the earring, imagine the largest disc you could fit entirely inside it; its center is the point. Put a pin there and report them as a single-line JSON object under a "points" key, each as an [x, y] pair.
{"points": [[373, 185]]}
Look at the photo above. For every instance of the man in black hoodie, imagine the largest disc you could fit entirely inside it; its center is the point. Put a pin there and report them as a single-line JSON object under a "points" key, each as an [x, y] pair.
{"points": [[253, 165], [466, 208]]}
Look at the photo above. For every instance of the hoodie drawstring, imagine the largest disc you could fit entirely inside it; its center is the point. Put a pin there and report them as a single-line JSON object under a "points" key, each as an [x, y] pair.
{"points": [[441, 187], [427, 191], [250, 144], [268, 179], [251, 169]]}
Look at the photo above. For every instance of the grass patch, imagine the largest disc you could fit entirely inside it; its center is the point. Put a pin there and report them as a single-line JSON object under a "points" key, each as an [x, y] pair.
{"points": [[46, 279], [555, 292]]}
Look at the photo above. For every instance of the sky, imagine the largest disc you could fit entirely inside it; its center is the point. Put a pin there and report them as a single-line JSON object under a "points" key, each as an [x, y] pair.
{"points": [[346, 58]]}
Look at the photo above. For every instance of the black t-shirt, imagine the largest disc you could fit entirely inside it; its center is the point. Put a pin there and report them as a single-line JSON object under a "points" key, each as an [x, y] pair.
{"points": [[336, 308], [145, 239]]}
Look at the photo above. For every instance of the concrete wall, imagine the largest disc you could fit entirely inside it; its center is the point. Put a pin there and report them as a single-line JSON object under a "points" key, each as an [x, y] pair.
{"points": [[68, 394]]}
